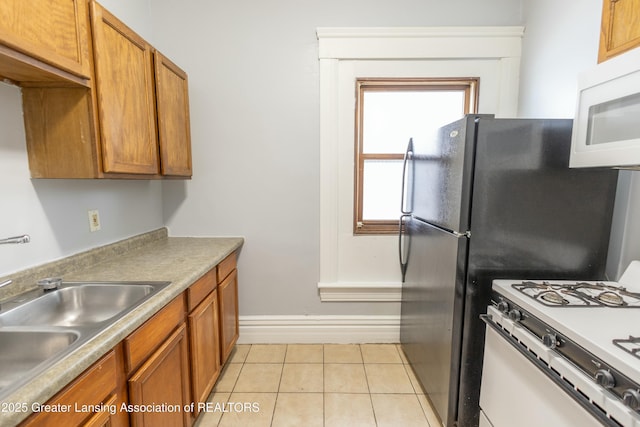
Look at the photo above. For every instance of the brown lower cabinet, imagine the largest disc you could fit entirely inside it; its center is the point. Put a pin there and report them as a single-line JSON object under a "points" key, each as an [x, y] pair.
{"points": [[173, 359], [228, 301], [205, 348], [229, 331]]}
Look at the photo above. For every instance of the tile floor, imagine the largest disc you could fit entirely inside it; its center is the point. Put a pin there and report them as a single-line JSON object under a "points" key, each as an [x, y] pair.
{"points": [[310, 385]]}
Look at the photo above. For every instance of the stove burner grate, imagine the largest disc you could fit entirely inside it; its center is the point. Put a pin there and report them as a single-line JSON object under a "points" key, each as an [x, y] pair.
{"points": [[631, 345], [579, 294]]}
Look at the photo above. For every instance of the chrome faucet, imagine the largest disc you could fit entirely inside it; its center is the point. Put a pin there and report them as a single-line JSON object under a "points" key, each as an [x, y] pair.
{"points": [[5, 283], [17, 239]]}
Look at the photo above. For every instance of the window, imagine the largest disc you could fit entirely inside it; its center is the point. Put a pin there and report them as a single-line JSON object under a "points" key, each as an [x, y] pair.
{"points": [[357, 267], [388, 113]]}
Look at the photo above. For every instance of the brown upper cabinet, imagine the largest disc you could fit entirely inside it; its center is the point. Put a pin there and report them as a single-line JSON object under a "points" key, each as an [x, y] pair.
{"points": [[125, 96], [130, 121], [620, 28], [45, 41], [174, 134]]}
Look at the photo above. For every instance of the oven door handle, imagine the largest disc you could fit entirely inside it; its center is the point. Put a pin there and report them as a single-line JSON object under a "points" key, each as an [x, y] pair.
{"points": [[586, 404]]}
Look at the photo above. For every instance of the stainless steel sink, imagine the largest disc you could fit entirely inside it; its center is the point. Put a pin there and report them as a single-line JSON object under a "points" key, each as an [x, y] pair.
{"points": [[22, 351], [37, 329], [80, 304]]}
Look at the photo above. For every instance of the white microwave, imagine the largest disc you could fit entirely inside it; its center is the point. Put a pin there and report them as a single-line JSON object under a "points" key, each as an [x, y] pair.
{"points": [[606, 128]]}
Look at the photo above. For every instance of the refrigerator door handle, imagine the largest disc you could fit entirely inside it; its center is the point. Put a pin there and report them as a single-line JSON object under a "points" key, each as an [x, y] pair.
{"points": [[408, 156], [403, 252], [456, 234]]}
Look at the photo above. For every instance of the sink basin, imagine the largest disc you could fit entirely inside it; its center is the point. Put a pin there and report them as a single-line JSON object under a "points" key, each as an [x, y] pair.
{"points": [[39, 329], [24, 351], [79, 304]]}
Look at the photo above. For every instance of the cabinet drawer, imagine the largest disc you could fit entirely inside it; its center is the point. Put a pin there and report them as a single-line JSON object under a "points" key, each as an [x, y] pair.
{"points": [[144, 340], [90, 388], [226, 267], [200, 289]]}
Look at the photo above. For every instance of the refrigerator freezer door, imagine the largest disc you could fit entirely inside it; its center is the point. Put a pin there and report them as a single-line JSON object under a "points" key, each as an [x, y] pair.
{"points": [[440, 176], [428, 297]]}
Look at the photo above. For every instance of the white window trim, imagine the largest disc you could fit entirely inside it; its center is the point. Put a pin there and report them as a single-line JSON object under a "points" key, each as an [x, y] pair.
{"points": [[338, 44]]}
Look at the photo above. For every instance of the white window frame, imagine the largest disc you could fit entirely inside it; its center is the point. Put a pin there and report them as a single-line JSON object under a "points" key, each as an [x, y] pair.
{"points": [[342, 45]]}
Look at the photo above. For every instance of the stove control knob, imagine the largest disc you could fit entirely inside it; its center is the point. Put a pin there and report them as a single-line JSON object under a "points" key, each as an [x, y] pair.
{"points": [[605, 379], [631, 398], [503, 306], [550, 340], [515, 315]]}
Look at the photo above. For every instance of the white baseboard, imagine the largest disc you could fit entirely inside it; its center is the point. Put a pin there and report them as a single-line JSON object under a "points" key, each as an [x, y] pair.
{"points": [[319, 329]]}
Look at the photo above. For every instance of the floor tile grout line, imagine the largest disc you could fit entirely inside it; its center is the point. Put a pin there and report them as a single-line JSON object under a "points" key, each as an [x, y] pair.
{"points": [[324, 392]]}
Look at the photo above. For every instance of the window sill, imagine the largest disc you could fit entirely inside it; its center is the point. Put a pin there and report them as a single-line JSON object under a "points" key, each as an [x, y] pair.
{"points": [[360, 292]]}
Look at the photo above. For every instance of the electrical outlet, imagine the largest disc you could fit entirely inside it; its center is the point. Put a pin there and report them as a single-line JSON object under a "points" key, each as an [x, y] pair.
{"points": [[94, 220]]}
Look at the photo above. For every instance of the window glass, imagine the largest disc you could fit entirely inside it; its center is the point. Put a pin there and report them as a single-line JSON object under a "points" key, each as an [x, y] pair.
{"points": [[381, 189], [388, 113], [391, 118]]}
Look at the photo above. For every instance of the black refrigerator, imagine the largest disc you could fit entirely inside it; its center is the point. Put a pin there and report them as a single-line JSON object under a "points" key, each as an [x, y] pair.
{"points": [[487, 199]]}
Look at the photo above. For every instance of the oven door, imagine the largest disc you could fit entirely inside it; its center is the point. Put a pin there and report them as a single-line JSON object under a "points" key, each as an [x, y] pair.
{"points": [[515, 392]]}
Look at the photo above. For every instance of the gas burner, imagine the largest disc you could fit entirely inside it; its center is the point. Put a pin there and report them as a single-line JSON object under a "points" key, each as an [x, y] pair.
{"points": [[610, 298], [553, 297], [579, 294]]}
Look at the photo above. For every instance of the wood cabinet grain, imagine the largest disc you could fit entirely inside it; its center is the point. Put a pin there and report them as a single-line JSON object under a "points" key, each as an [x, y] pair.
{"points": [[205, 347], [45, 40], [163, 380], [144, 340], [620, 27], [174, 133], [125, 95], [229, 323]]}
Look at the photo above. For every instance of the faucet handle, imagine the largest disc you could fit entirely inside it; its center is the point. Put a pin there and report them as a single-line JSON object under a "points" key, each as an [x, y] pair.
{"points": [[5, 283], [50, 283], [16, 239]]}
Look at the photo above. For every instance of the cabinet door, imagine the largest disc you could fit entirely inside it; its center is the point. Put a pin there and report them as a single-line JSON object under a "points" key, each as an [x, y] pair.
{"points": [[229, 331], [174, 134], [52, 31], [620, 27], [163, 379], [125, 96], [205, 347], [104, 419]]}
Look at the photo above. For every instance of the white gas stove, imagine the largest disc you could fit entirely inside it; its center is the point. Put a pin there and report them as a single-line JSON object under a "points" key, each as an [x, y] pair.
{"points": [[583, 336]]}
